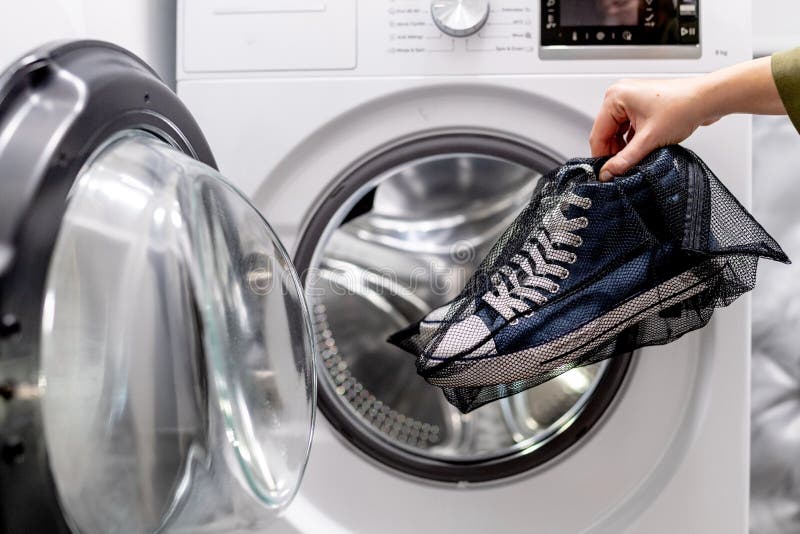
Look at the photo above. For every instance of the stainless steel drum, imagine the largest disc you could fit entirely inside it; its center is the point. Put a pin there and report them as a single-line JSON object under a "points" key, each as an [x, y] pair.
{"points": [[405, 241]]}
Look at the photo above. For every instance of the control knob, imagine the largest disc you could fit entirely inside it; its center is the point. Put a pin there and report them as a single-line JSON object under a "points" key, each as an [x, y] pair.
{"points": [[460, 18]]}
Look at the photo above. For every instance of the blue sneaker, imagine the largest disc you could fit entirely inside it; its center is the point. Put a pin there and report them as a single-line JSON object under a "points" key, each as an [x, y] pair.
{"points": [[590, 270]]}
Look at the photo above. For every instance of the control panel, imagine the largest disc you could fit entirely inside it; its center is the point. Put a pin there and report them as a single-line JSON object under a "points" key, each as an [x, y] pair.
{"points": [[620, 28], [342, 38], [452, 26]]}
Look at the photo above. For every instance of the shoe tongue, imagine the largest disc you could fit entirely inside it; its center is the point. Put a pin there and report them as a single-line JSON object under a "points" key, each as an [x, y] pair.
{"points": [[580, 170], [573, 212], [489, 316]]}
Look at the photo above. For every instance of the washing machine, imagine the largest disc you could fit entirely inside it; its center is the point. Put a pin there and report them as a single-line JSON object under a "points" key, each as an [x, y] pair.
{"points": [[389, 142]]}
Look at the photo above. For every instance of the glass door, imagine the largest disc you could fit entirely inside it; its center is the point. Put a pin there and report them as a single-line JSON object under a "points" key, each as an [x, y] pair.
{"points": [[160, 376], [174, 349]]}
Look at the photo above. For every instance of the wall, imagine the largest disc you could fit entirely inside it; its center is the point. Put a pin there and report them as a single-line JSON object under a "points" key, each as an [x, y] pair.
{"points": [[776, 25], [146, 27]]}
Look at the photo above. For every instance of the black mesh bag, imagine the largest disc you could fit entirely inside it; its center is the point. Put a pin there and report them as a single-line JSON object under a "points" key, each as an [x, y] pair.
{"points": [[590, 270]]}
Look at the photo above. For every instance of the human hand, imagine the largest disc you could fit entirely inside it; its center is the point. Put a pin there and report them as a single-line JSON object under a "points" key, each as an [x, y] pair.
{"points": [[639, 116]]}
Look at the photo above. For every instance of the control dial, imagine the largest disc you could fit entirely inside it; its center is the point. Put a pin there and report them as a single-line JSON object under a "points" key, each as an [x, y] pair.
{"points": [[460, 18]]}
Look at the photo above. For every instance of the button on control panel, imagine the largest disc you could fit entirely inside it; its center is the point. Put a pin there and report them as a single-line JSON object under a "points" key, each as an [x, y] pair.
{"points": [[687, 22]]}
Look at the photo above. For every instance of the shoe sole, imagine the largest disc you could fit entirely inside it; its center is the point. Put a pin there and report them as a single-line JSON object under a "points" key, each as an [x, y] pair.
{"points": [[534, 361]]}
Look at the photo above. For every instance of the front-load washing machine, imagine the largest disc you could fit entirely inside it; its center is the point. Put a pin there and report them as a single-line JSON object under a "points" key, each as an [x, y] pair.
{"points": [[158, 343], [389, 142]]}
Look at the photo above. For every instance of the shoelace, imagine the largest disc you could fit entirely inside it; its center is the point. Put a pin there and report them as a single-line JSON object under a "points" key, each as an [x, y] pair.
{"points": [[513, 290]]}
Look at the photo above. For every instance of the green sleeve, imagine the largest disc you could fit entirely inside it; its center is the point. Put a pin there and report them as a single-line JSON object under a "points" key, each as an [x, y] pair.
{"points": [[786, 71]]}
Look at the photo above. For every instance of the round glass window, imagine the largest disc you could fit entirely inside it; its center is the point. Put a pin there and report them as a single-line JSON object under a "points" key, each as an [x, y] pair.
{"points": [[176, 351], [417, 222]]}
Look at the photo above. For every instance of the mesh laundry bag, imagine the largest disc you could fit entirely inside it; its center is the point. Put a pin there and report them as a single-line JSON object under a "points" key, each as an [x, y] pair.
{"points": [[590, 270]]}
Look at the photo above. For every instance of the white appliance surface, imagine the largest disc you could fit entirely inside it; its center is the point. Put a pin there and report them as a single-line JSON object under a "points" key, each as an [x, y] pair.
{"points": [[287, 112]]}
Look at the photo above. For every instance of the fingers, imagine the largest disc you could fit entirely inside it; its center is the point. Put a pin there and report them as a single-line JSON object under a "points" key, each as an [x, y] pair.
{"points": [[638, 147], [610, 126], [604, 134], [638, 116]]}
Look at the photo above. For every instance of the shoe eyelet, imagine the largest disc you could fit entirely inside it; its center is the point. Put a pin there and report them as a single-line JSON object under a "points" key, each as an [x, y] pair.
{"points": [[565, 276], [588, 204], [555, 288], [572, 259], [584, 222], [579, 242], [514, 322]]}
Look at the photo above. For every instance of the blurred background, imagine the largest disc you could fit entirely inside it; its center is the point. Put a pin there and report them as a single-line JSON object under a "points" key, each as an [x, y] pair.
{"points": [[775, 430]]}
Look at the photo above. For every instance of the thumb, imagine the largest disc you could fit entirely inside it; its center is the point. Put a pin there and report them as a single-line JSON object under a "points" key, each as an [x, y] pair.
{"points": [[633, 153]]}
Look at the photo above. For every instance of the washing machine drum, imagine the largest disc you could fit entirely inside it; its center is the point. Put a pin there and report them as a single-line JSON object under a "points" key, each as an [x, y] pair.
{"points": [[397, 237], [156, 364]]}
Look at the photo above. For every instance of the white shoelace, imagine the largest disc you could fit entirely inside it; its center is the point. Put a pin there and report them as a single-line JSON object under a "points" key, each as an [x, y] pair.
{"points": [[514, 290]]}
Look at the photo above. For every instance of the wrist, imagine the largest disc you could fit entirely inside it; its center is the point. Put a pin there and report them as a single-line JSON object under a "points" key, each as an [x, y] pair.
{"points": [[710, 98], [744, 88]]}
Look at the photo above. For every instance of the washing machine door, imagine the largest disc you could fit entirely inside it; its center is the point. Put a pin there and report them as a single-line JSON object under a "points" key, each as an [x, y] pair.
{"points": [[156, 363]]}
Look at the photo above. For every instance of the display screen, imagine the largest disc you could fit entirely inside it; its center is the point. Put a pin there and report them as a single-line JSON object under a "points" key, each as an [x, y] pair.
{"points": [[620, 22], [600, 13]]}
